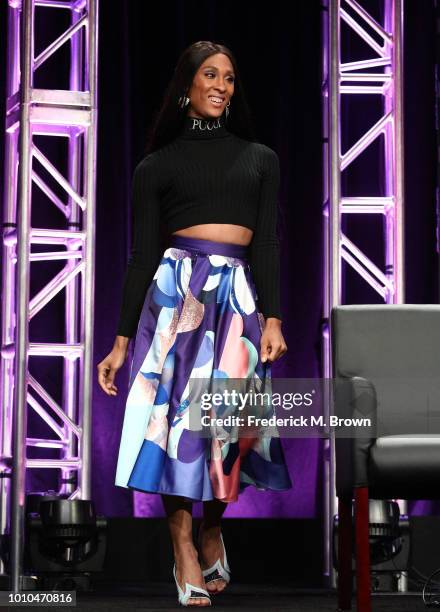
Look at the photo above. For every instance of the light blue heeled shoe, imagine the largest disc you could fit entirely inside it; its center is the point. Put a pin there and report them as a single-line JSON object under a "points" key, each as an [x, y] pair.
{"points": [[191, 592], [218, 571]]}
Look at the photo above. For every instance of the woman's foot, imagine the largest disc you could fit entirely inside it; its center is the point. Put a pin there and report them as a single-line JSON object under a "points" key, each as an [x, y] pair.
{"points": [[211, 549], [188, 570]]}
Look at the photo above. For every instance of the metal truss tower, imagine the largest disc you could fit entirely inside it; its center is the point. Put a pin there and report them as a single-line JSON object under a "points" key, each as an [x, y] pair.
{"points": [[378, 73], [72, 115]]}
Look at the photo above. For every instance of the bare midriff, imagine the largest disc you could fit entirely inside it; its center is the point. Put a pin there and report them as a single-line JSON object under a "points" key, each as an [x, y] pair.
{"points": [[218, 232]]}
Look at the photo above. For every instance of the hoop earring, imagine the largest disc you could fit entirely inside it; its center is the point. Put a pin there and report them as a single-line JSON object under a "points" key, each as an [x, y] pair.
{"points": [[227, 108], [183, 101]]}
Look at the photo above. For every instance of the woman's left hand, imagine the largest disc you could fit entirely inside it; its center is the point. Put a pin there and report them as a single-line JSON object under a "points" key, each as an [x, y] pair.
{"points": [[272, 342]]}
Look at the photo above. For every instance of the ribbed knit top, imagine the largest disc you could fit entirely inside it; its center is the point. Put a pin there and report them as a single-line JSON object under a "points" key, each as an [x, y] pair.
{"points": [[205, 175]]}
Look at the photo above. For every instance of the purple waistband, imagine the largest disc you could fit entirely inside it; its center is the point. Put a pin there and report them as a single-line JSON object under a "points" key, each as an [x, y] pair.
{"points": [[210, 247]]}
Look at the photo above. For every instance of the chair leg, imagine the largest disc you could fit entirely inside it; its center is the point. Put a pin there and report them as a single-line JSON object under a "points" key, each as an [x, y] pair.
{"points": [[363, 593], [345, 544]]}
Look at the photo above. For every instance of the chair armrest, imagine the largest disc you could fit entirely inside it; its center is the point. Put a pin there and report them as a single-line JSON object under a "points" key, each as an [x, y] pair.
{"points": [[354, 397]]}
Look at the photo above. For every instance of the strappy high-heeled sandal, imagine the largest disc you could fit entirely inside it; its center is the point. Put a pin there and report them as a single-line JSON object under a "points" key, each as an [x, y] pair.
{"points": [[218, 571], [191, 592]]}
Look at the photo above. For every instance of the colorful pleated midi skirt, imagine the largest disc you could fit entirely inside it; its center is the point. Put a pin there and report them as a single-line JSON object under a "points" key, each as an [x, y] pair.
{"points": [[199, 320]]}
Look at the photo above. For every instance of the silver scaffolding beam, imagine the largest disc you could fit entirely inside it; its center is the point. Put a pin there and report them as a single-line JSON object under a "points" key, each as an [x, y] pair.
{"points": [[71, 114], [379, 73]]}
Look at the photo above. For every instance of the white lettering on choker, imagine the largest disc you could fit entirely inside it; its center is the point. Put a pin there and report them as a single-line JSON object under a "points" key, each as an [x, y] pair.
{"points": [[205, 124]]}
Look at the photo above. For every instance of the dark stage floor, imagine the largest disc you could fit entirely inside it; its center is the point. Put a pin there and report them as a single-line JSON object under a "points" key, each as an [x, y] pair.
{"points": [[269, 598]]}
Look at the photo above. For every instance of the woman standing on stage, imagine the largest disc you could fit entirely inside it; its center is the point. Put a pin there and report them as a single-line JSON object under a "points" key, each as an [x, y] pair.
{"points": [[208, 306]]}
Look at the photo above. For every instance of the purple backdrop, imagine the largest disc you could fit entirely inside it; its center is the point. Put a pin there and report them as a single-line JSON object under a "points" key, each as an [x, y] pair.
{"points": [[139, 43]]}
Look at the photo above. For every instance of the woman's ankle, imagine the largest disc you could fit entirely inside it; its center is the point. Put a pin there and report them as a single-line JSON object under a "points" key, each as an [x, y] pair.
{"points": [[184, 547], [210, 529]]}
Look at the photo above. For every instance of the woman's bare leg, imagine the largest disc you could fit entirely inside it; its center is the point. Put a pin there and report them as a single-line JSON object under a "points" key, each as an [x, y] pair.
{"points": [[209, 539], [179, 514]]}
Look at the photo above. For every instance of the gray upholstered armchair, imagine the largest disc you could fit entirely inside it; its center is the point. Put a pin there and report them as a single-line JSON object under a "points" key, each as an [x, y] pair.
{"points": [[386, 367]]}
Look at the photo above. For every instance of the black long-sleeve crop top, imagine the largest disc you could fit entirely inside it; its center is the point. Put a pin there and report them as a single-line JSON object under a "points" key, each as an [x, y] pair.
{"points": [[205, 175]]}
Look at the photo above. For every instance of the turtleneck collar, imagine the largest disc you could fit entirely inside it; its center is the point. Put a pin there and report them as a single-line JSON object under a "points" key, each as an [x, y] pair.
{"points": [[203, 129]]}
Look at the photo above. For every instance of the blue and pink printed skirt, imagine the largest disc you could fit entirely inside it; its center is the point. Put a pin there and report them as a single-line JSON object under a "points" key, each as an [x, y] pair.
{"points": [[199, 319]]}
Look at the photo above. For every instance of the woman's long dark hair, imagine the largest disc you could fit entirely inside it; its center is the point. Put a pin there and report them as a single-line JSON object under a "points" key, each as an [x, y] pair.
{"points": [[168, 121]]}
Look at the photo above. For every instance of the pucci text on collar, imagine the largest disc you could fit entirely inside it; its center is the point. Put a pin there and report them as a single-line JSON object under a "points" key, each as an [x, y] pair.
{"points": [[205, 124], [203, 128]]}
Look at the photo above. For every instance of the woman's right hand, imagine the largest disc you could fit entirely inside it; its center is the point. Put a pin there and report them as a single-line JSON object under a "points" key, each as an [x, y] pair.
{"points": [[108, 367]]}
